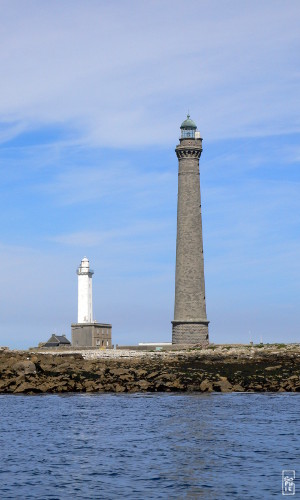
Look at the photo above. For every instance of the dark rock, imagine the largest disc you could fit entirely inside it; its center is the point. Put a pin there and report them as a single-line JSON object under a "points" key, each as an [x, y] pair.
{"points": [[206, 386], [26, 387], [120, 388], [223, 385], [238, 388], [143, 384], [24, 367]]}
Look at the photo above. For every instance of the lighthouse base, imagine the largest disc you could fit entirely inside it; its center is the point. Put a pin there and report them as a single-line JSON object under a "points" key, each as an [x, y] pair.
{"points": [[91, 335], [190, 332]]}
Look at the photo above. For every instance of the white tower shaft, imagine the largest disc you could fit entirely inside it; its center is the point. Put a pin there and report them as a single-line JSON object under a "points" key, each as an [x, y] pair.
{"points": [[85, 297]]}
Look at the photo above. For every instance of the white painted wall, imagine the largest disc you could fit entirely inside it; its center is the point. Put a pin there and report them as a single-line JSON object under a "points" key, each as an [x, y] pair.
{"points": [[85, 296]]}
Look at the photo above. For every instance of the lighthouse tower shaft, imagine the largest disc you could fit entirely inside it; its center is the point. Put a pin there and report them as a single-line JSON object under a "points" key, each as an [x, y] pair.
{"points": [[190, 325], [85, 298]]}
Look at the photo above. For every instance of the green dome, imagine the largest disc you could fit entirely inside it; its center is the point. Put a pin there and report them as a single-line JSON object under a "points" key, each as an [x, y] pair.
{"points": [[188, 123]]}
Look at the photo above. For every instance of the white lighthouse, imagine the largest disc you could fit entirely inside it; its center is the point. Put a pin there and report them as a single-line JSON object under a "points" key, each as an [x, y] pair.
{"points": [[85, 292], [87, 332]]}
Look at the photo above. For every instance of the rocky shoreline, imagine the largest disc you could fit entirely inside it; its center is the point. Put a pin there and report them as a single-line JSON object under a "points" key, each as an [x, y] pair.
{"points": [[273, 368]]}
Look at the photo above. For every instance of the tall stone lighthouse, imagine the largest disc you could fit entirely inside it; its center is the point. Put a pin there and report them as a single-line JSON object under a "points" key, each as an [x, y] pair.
{"points": [[190, 325]]}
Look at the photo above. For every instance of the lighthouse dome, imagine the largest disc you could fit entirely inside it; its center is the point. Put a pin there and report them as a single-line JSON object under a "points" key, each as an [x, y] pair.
{"points": [[188, 123]]}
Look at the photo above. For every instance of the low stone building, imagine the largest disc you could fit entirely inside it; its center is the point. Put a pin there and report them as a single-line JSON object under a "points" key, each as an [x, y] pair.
{"points": [[91, 335], [57, 341]]}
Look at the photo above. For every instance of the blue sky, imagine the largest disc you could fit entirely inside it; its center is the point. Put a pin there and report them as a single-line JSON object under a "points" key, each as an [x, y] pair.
{"points": [[92, 97]]}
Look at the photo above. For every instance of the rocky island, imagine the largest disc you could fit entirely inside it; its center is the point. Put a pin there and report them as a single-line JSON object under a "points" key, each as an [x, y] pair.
{"points": [[221, 368]]}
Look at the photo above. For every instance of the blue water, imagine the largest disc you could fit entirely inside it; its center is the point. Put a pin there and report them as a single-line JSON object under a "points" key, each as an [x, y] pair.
{"points": [[210, 446]]}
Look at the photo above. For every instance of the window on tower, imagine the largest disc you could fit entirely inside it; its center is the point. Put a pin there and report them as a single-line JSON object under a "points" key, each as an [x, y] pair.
{"points": [[187, 133]]}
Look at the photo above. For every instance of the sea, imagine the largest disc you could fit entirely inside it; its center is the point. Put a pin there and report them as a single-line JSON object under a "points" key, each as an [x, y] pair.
{"points": [[140, 446]]}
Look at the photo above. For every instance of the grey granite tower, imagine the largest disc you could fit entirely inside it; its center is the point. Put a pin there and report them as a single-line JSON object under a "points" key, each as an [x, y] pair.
{"points": [[190, 325]]}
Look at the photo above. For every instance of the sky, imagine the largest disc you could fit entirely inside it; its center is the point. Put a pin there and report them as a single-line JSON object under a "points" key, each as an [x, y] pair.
{"points": [[92, 95]]}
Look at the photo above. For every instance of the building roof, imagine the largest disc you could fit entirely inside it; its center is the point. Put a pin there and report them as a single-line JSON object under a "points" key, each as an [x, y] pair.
{"points": [[56, 340], [62, 339], [188, 123]]}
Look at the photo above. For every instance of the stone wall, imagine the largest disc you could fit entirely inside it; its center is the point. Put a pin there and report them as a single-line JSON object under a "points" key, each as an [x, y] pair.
{"points": [[189, 333]]}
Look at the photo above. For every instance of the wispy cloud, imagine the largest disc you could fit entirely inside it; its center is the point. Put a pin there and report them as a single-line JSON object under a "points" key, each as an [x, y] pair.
{"points": [[117, 236], [106, 181], [115, 73]]}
